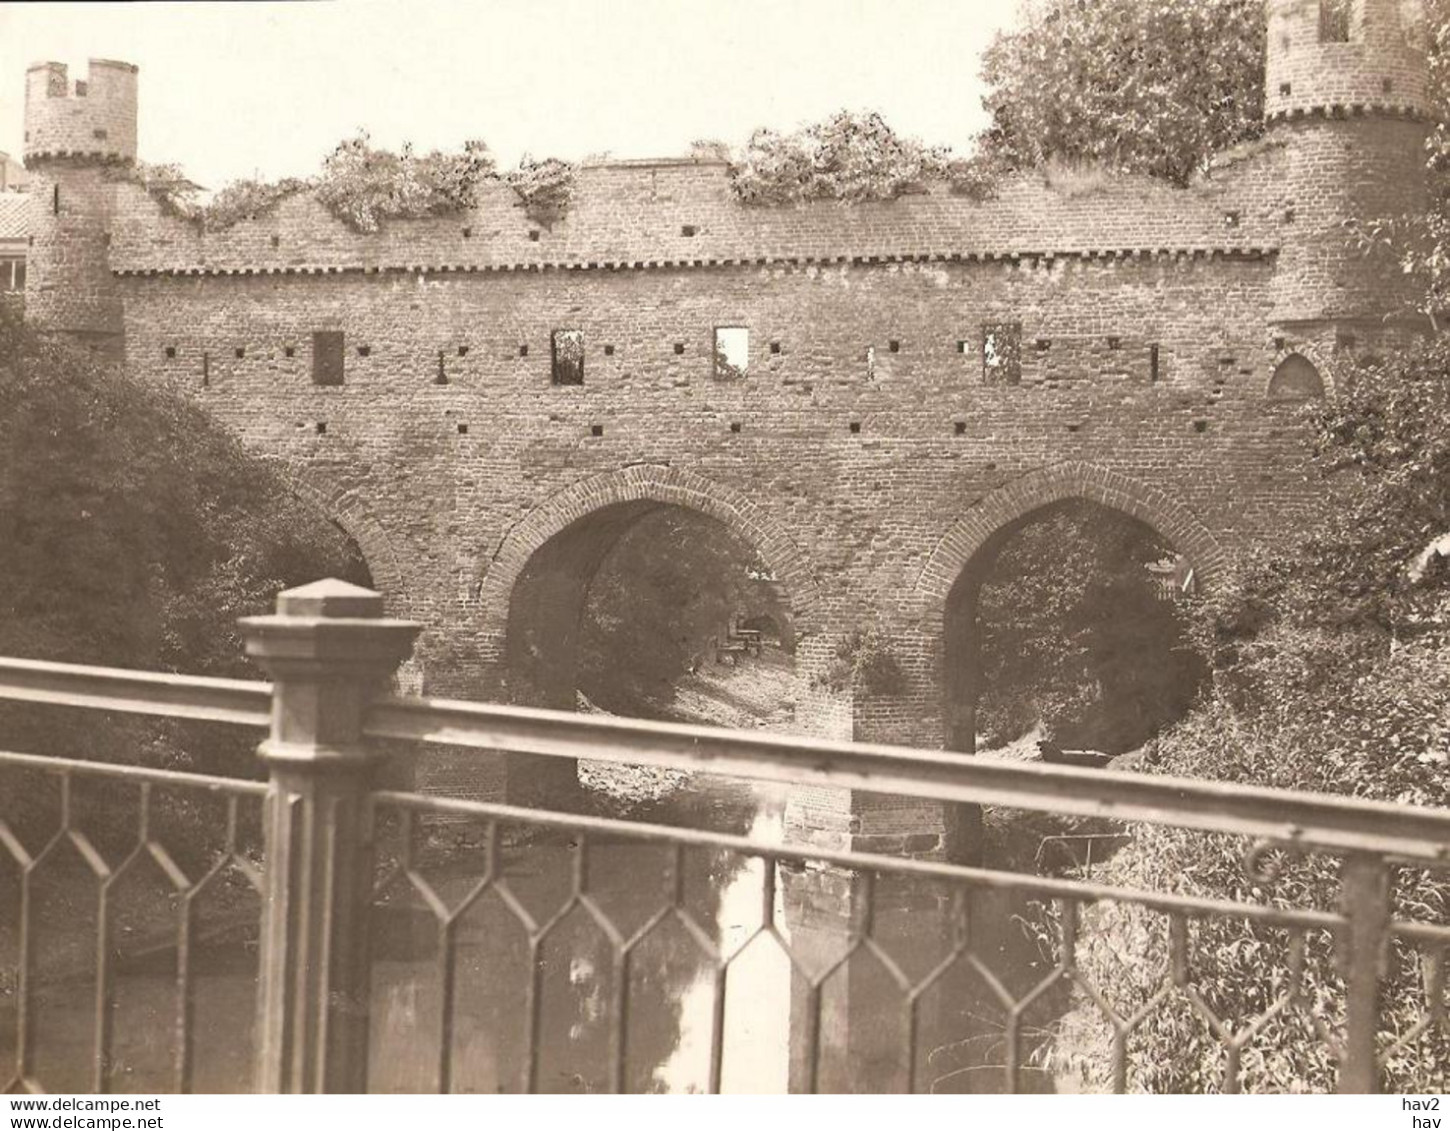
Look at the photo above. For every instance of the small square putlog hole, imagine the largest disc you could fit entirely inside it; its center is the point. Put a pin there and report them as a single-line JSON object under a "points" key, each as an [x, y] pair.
{"points": [[855, 427], [596, 430]]}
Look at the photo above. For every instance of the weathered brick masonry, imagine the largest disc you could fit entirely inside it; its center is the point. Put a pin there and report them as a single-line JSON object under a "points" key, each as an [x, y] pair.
{"points": [[868, 453]]}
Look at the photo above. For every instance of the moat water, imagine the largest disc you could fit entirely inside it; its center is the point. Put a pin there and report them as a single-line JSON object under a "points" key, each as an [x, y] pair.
{"points": [[721, 900]]}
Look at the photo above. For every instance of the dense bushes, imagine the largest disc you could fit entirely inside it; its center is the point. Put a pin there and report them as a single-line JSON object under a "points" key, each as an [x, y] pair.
{"points": [[364, 187], [1331, 675], [133, 532]]}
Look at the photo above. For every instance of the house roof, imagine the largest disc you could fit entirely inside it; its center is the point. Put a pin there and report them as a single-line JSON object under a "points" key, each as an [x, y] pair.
{"points": [[14, 215]]}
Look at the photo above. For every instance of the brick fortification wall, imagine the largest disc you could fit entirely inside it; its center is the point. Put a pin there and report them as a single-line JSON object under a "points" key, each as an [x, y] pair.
{"points": [[869, 451]]}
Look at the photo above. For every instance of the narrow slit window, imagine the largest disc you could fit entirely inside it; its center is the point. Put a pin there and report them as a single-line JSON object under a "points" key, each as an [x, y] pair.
{"points": [[1002, 353], [327, 355], [568, 364], [1155, 370], [732, 351]]}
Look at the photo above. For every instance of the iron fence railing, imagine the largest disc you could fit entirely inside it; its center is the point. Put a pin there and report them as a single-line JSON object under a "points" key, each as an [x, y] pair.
{"points": [[511, 948]]}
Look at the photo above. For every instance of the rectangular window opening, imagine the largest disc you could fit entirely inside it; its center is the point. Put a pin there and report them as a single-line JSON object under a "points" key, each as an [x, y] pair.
{"points": [[170, 353], [732, 351], [1002, 353], [1334, 20], [568, 357], [327, 357]]}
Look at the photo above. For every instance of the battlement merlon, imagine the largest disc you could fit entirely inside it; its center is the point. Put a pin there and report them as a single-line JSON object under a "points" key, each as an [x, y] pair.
{"points": [[1346, 58], [94, 117]]}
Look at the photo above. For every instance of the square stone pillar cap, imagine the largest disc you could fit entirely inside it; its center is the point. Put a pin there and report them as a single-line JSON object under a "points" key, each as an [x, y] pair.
{"points": [[330, 620], [329, 597]]}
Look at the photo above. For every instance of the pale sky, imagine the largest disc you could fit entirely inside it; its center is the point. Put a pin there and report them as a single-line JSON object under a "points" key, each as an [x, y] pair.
{"points": [[232, 90]]}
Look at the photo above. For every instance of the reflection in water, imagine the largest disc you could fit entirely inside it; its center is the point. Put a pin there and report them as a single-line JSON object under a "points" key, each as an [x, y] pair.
{"points": [[905, 976], [756, 1054]]}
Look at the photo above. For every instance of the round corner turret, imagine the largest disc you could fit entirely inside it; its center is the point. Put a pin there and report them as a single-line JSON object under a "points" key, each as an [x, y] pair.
{"points": [[1338, 58], [93, 117]]}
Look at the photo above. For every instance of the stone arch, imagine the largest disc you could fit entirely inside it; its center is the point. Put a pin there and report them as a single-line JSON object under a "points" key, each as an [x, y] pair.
{"points": [[946, 586], [346, 507], [1297, 376], [644, 483], [960, 545]]}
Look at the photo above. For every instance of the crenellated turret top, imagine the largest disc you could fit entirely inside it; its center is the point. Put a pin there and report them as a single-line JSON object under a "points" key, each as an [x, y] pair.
{"points": [[1344, 58], [90, 117]]}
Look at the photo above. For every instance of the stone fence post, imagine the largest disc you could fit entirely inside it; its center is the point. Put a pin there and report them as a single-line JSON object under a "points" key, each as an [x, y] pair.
{"points": [[328, 650]]}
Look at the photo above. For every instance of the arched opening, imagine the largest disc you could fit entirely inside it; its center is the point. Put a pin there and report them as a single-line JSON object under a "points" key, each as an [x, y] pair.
{"points": [[1065, 626], [652, 610], [1296, 379]]}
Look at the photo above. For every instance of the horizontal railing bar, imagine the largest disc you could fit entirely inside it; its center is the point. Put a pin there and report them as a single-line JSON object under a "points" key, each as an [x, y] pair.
{"points": [[1421, 932], [1312, 820], [83, 768], [860, 861], [239, 701]]}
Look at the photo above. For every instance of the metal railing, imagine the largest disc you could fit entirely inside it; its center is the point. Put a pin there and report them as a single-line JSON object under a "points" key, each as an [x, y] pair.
{"points": [[375, 932]]}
